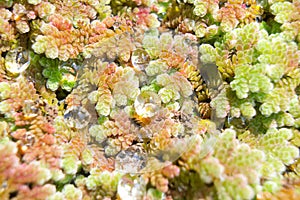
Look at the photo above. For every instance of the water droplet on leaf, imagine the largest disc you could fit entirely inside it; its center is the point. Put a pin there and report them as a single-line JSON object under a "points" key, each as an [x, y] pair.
{"points": [[131, 187], [187, 41], [147, 104], [30, 139], [140, 59], [17, 61], [77, 117], [131, 160]]}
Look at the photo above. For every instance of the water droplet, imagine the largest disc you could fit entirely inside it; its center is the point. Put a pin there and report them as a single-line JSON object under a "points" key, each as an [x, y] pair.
{"points": [[124, 56], [132, 160], [17, 61], [30, 109], [75, 66], [27, 106], [4, 185], [140, 59], [77, 117], [116, 25], [29, 138], [132, 187], [147, 104], [68, 69], [187, 41]]}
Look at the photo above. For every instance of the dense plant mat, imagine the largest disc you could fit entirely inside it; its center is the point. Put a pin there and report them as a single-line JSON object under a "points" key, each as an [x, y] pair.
{"points": [[149, 100]]}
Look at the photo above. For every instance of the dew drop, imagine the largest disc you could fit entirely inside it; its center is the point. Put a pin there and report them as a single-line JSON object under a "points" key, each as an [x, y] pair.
{"points": [[131, 187], [17, 61], [69, 69], [187, 41], [30, 139], [116, 25], [140, 59], [4, 185], [131, 160], [77, 117], [147, 104]]}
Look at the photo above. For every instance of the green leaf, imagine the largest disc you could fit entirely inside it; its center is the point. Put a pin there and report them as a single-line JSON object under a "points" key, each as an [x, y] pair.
{"points": [[67, 85], [52, 84]]}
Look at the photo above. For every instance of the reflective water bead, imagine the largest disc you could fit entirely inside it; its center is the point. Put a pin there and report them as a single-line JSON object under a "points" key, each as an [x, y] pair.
{"points": [[140, 59], [131, 187], [17, 61], [77, 117], [147, 104], [131, 160]]}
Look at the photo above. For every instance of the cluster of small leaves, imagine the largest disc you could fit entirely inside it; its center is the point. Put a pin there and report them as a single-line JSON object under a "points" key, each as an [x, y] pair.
{"points": [[279, 151], [259, 75], [287, 15], [142, 12], [227, 155], [16, 175], [262, 70], [254, 156], [68, 27], [58, 74], [29, 153], [228, 162], [209, 18], [77, 154], [141, 94], [7, 31], [119, 131], [152, 185]]}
